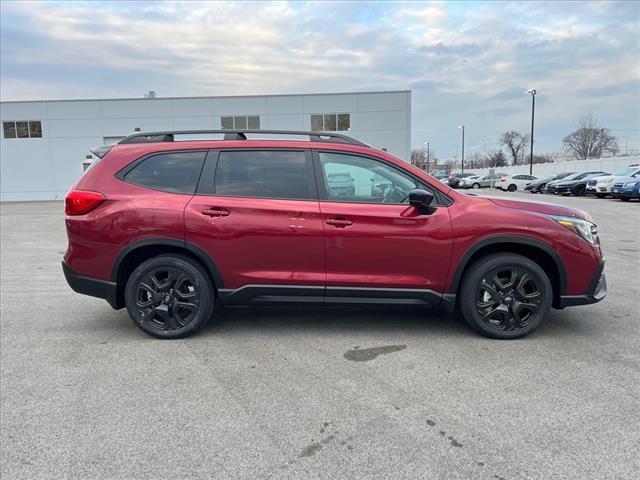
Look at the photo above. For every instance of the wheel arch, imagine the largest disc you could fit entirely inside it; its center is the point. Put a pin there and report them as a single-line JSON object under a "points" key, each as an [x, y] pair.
{"points": [[135, 253], [536, 250]]}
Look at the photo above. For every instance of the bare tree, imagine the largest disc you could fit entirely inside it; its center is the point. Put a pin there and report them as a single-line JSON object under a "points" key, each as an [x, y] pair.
{"points": [[589, 140], [419, 158], [515, 142]]}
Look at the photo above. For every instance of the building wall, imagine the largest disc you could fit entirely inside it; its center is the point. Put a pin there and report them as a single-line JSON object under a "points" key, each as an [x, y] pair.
{"points": [[44, 168]]}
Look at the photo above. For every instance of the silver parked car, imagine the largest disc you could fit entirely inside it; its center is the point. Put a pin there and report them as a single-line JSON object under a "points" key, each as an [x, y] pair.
{"points": [[485, 181]]}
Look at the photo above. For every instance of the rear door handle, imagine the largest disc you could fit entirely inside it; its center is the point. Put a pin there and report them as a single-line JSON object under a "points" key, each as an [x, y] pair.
{"points": [[339, 222], [215, 212]]}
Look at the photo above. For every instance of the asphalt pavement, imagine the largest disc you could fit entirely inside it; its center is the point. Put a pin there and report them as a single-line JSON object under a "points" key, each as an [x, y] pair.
{"points": [[333, 393]]}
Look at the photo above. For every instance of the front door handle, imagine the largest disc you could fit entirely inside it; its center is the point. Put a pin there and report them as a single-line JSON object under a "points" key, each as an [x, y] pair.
{"points": [[215, 212], [339, 222]]}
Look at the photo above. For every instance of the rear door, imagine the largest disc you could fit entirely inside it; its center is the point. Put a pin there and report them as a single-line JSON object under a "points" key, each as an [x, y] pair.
{"points": [[377, 244], [256, 214]]}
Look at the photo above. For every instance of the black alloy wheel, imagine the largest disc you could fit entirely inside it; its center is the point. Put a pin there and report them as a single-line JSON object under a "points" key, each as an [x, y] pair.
{"points": [[169, 296], [505, 296], [579, 190]]}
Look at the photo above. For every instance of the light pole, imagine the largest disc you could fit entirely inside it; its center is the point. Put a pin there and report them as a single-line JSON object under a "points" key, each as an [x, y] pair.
{"points": [[532, 92], [427, 144], [462, 127]]}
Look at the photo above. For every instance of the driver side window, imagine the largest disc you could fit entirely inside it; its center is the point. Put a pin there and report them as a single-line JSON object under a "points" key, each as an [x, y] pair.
{"points": [[350, 178]]}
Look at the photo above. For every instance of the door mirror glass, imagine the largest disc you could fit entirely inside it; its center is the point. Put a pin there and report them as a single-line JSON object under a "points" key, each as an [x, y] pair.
{"points": [[421, 200]]}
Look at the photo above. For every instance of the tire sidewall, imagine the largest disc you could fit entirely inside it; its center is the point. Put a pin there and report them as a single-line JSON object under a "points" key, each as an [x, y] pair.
{"points": [[202, 284], [472, 279]]}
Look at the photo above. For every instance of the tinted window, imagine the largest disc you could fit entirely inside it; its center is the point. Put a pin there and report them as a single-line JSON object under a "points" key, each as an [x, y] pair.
{"points": [[9, 129], [262, 174], [359, 179], [35, 129], [22, 129], [170, 172]]}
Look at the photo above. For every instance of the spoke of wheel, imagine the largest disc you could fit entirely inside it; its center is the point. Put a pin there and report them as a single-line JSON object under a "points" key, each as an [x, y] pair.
{"points": [[155, 296], [495, 296]]}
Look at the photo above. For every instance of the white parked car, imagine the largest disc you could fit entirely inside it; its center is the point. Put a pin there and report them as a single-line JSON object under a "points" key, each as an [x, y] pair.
{"points": [[602, 186], [515, 182], [466, 182]]}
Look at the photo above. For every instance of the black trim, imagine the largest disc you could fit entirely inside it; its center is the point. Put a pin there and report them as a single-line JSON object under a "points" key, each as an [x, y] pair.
{"points": [[457, 277], [171, 242], [590, 295], [260, 294], [403, 296], [309, 294], [91, 286]]}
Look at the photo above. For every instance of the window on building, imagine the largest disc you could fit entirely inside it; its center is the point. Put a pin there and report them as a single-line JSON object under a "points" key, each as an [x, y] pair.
{"points": [[240, 122], [331, 122], [176, 172], [263, 174], [22, 129]]}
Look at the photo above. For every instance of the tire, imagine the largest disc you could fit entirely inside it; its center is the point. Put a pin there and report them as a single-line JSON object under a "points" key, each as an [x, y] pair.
{"points": [[512, 187], [475, 186], [169, 296], [488, 303], [600, 195], [624, 199], [579, 191]]}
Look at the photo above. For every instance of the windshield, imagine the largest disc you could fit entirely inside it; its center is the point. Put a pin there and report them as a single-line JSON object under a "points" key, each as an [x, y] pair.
{"points": [[573, 176], [625, 172]]}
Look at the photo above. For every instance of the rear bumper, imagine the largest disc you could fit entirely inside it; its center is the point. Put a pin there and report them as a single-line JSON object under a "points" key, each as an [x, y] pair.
{"points": [[596, 291], [91, 286]]}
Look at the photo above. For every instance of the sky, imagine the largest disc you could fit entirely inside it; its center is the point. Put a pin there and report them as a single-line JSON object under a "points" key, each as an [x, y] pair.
{"points": [[465, 62]]}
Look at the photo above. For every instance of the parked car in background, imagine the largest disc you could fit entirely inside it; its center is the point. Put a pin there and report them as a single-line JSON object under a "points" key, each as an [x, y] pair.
{"points": [[378, 185], [540, 184], [512, 183], [454, 179], [463, 181], [173, 229], [626, 188], [569, 182], [341, 184], [604, 185], [485, 181]]}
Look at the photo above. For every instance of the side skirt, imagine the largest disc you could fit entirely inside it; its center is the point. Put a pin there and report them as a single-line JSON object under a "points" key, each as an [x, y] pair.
{"points": [[319, 295]]}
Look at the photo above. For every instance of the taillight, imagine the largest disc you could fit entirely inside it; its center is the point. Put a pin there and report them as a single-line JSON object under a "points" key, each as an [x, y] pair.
{"points": [[77, 202], [502, 180]]}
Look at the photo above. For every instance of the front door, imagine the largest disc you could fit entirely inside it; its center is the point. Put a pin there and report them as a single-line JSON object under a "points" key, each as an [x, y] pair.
{"points": [[257, 215], [375, 241]]}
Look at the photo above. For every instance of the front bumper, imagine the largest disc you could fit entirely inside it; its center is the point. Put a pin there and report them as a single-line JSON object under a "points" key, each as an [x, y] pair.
{"points": [[596, 291], [91, 286]]}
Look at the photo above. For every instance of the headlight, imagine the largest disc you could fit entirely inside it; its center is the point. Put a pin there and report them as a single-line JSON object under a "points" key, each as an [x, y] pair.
{"points": [[632, 184], [582, 228]]}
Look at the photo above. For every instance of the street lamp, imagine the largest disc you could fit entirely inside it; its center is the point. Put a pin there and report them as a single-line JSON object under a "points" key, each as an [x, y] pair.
{"points": [[462, 127], [532, 92], [427, 144]]}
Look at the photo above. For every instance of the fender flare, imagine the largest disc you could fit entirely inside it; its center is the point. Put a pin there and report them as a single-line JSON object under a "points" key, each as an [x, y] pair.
{"points": [[528, 241], [198, 252]]}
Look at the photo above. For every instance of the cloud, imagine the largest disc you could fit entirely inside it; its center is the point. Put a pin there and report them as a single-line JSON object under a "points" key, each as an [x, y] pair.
{"points": [[465, 62]]}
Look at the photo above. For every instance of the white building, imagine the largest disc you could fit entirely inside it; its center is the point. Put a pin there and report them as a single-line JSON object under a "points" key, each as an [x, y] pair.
{"points": [[45, 142]]}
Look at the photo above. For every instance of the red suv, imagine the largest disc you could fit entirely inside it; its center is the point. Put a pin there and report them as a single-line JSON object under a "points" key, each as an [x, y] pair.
{"points": [[172, 229]]}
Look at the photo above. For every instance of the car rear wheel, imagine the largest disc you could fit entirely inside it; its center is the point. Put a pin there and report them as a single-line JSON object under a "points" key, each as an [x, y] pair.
{"points": [[169, 296], [505, 296], [579, 190], [512, 188]]}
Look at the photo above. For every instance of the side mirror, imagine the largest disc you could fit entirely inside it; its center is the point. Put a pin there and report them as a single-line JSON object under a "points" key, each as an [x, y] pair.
{"points": [[421, 200]]}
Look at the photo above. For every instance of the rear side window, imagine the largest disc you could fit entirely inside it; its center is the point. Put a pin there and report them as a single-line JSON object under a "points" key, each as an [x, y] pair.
{"points": [[263, 174], [176, 172]]}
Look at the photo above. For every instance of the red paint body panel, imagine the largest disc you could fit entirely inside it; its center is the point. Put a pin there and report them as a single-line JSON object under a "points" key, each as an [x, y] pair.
{"points": [[267, 241]]}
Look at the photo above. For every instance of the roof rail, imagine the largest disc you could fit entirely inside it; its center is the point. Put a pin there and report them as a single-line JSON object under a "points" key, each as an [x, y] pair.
{"points": [[169, 136]]}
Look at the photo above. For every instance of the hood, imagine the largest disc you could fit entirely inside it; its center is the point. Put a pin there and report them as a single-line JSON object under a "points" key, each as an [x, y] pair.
{"points": [[539, 207]]}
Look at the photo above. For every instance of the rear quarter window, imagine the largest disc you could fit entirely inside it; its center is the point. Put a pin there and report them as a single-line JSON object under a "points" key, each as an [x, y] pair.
{"points": [[175, 172]]}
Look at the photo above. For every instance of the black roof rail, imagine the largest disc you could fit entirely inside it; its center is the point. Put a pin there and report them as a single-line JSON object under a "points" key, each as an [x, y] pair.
{"points": [[169, 136]]}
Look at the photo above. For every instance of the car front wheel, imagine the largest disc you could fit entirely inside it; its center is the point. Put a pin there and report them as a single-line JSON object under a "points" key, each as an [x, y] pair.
{"points": [[476, 186], [169, 296], [512, 188], [505, 296]]}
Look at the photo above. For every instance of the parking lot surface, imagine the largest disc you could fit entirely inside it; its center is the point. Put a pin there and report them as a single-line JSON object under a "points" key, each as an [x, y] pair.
{"points": [[334, 393]]}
